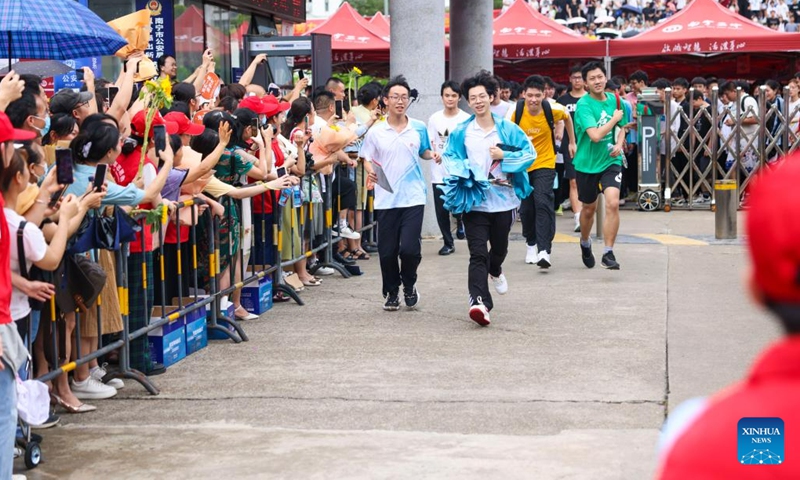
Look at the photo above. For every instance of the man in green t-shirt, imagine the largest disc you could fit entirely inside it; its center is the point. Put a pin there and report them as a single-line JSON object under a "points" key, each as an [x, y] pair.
{"points": [[599, 126]]}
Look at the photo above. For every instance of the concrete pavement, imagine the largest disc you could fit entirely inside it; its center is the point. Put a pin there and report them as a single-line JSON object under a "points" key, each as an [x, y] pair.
{"points": [[572, 380]]}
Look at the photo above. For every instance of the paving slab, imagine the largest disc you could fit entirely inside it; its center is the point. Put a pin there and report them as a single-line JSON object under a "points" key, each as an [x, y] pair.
{"points": [[578, 366]]}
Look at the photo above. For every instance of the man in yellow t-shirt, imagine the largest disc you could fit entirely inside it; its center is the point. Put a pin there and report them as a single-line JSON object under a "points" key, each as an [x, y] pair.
{"points": [[538, 210]]}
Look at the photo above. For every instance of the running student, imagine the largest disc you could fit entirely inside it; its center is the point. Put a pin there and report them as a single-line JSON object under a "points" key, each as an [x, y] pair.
{"points": [[599, 126], [538, 118], [496, 151], [440, 126], [396, 146]]}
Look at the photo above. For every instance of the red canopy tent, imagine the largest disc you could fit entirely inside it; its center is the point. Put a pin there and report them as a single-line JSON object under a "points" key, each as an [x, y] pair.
{"points": [[380, 25], [523, 33], [704, 27], [352, 39]]}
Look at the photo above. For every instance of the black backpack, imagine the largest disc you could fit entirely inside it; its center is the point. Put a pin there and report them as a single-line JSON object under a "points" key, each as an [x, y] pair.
{"points": [[548, 114]]}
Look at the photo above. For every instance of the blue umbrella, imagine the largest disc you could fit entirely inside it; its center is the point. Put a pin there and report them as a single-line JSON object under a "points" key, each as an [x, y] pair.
{"points": [[54, 29]]}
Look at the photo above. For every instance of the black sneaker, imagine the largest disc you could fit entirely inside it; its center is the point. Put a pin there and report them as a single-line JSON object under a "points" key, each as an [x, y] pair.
{"points": [[609, 261], [392, 302], [460, 233], [412, 298], [51, 421], [446, 250], [587, 256]]}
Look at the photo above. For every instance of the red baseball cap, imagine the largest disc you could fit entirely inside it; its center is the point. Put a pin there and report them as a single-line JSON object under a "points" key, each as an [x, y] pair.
{"points": [[274, 107], [185, 127], [8, 132], [773, 235], [255, 104], [138, 124]]}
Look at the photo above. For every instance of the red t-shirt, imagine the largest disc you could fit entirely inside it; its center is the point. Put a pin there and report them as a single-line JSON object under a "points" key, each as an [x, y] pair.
{"points": [[124, 171], [262, 204], [5, 267]]}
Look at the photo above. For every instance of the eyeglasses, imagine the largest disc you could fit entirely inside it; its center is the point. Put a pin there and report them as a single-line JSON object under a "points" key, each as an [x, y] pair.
{"points": [[84, 104], [482, 96], [396, 98]]}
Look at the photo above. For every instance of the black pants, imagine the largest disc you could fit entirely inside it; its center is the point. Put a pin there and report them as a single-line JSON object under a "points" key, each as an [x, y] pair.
{"points": [[399, 238], [631, 174], [483, 227], [443, 216], [344, 194], [537, 211]]}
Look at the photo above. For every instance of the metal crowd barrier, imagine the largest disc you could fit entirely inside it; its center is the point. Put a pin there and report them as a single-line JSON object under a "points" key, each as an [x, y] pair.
{"points": [[731, 153], [302, 220]]}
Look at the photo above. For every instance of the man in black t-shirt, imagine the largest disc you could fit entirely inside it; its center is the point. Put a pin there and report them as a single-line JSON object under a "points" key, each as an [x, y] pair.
{"points": [[569, 100]]}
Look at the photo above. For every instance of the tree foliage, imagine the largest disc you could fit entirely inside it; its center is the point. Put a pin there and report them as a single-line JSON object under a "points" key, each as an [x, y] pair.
{"points": [[368, 8]]}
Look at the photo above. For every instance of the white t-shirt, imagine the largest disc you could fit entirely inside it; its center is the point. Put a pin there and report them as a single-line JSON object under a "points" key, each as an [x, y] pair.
{"points": [[398, 154], [439, 128], [477, 142], [794, 115], [502, 108], [35, 250]]}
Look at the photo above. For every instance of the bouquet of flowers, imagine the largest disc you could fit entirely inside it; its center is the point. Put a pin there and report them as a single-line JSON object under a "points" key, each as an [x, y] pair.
{"points": [[156, 96]]}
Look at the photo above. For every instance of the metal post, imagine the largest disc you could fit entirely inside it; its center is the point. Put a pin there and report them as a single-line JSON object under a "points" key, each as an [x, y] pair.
{"points": [[727, 194], [667, 146]]}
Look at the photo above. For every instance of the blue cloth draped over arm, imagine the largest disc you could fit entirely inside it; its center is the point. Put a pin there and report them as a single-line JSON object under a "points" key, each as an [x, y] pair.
{"points": [[464, 187]]}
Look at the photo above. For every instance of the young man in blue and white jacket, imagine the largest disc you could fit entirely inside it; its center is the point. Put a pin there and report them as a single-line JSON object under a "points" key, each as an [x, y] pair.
{"points": [[486, 159]]}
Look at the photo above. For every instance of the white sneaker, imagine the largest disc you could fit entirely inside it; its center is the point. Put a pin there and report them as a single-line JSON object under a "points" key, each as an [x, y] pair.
{"points": [[701, 199], [324, 271], [543, 260], [577, 222], [500, 284], [347, 232], [91, 389], [566, 204], [479, 314], [99, 372], [531, 254]]}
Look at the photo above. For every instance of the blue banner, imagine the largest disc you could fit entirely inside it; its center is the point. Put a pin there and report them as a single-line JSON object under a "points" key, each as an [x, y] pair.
{"points": [[162, 27], [70, 79]]}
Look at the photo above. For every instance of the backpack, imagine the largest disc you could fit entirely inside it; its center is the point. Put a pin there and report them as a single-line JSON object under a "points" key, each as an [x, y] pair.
{"points": [[548, 115]]}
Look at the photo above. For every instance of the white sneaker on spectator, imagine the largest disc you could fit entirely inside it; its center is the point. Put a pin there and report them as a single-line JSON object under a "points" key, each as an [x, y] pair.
{"points": [[347, 232], [99, 372], [91, 389], [531, 254], [701, 199], [566, 204], [324, 271], [500, 284]]}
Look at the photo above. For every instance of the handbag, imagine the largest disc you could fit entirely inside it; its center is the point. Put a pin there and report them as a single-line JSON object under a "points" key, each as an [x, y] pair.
{"points": [[106, 232], [36, 274], [33, 401], [79, 282]]}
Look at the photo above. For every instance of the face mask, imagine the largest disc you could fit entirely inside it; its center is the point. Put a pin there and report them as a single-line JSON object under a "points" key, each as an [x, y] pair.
{"points": [[46, 129]]}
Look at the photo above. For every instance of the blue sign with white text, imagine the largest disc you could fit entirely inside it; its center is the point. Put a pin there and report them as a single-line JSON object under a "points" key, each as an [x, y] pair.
{"points": [[162, 27], [761, 441], [70, 79]]}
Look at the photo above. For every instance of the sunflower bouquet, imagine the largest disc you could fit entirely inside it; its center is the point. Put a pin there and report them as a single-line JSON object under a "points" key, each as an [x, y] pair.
{"points": [[156, 95]]}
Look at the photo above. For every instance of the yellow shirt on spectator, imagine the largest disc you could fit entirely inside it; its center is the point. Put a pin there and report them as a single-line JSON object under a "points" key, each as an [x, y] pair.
{"points": [[537, 129]]}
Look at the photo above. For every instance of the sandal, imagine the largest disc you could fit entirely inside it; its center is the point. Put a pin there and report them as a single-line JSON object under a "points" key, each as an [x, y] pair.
{"points": [[281, 297], [347, 255], [82, 408], [359, 254], [314, 282]]}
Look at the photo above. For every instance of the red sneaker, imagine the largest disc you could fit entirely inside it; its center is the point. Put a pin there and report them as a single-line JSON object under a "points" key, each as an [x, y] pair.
{"points": [[479, 314]]}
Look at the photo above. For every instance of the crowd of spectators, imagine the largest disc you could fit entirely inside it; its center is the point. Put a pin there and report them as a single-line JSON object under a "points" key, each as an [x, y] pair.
{"points": [[629, 17]]}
